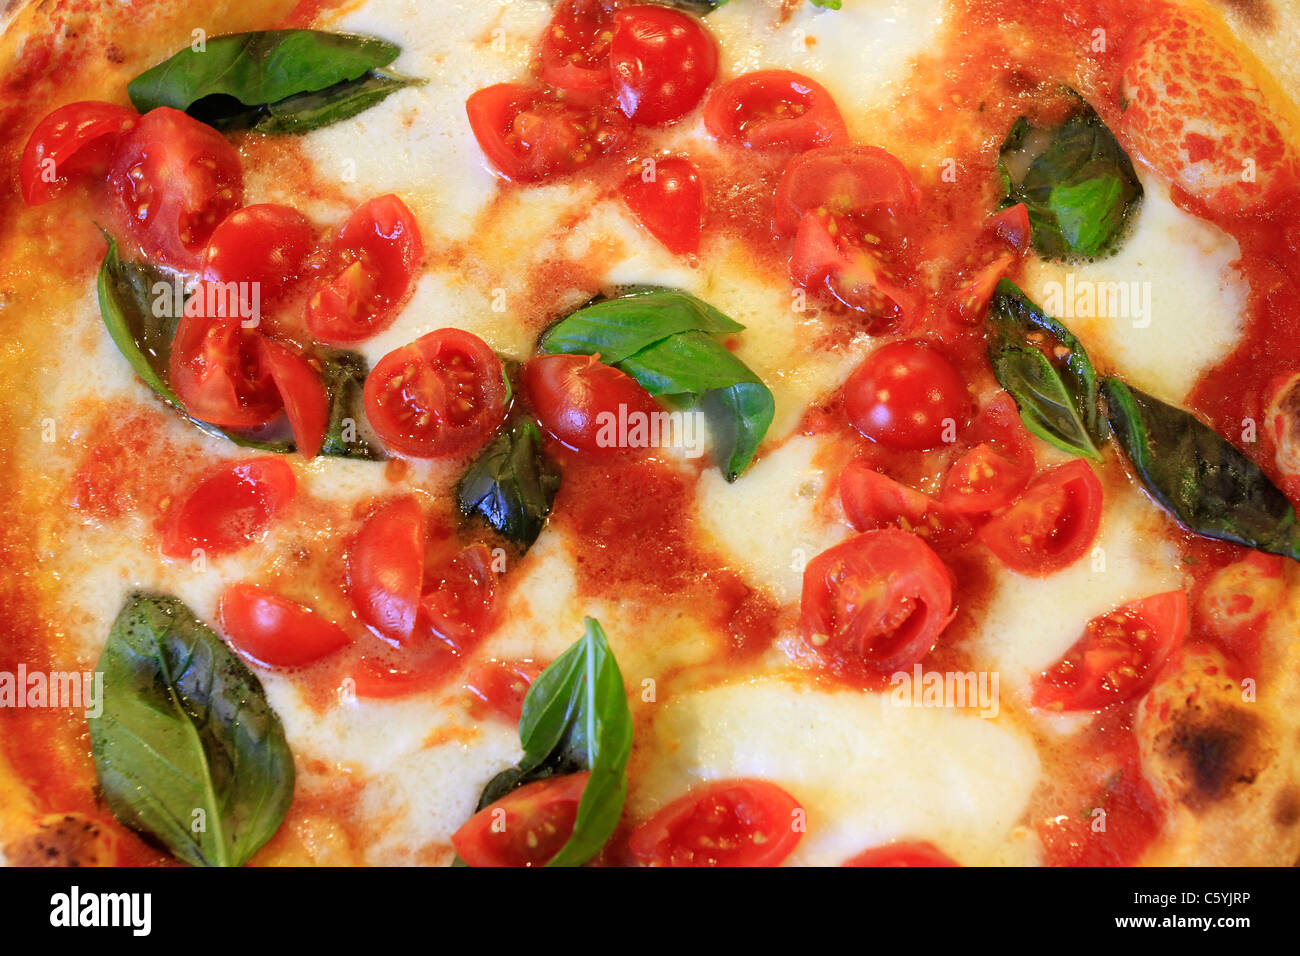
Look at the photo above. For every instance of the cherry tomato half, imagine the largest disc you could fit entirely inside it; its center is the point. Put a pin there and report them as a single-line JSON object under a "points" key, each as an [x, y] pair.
{"points": [[854, 265], [903, 853], [1118, 656], [670, 203], [376, 260], [908, 396], [872, 500], [501, 686], [999, 465], [1052, 525], [528, 134], [231, 506], [443, 394], [174, 180], [662, 61], [461, 602], [302, 390], [386, 568], [876, 602], [575, 49], [524, 828], [575, 398], [74, 142], [727, 823], [265, 244], [216, 370], [774, 109], [274, 631], [843, 181]]}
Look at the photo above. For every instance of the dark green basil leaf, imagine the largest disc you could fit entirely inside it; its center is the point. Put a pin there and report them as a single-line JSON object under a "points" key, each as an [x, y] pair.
{"points": [[1209, 486], [187, 749], [272, 81], [576, 718], [663, 339], [1058, 400], [1076, 181], [127, 299], [512, 485], [345, 377]]}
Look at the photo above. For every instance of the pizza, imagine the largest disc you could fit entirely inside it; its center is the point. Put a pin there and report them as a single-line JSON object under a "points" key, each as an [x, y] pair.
{"points": [[691, 433]]}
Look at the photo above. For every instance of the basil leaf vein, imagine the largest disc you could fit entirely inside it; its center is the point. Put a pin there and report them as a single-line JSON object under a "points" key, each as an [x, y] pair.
{"points": [[187, 748], [663, 338], [1058, 401], [1210, 486], [272, 81]]}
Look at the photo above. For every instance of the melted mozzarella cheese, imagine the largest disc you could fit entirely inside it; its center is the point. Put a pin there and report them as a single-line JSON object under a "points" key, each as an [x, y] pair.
{"points": [[866, 771], [1163, 309]]}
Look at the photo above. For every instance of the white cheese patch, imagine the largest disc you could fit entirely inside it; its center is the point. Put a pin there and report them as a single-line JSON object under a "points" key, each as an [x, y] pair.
{"points": [[1031, 622], [768, 521], [866, 771], [1161, 311]]}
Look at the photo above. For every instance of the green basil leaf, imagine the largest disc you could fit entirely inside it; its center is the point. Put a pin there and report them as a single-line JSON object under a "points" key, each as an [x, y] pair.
{"points": [[187, 749], [273, 81], [1058, 401], [1076, 181], [1208, 485], [620, 327], [345, 378], [663, 339], [576, 718], [828, 4], [512, 485]]}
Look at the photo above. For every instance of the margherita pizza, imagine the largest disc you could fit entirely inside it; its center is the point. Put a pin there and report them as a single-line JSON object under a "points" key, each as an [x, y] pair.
{"points": [[676, 433]]}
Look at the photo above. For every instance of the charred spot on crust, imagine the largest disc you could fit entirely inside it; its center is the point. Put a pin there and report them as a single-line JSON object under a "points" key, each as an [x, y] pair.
{"points": [[67, 839], [1258, 13], [1286, 811], [1215, 748]]}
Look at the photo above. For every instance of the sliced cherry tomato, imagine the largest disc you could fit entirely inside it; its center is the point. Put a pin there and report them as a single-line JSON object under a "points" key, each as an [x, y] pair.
{"points": [[903, 853], [386, 568], [971, 303], [908, 396], [175, 179], [575, 49], [670, 203], [502, 685], [301, 388], [74, 142], [997, 468], [662, 61], [1118, 656], [523, 828], [274, 631], [872, 500], [443, 394], [376, 259], [727, 823], [774, 109], [461, 603], [577, 399], [1011, 226], [529, 135], [264, 244], [231, 506], [1052, 525], [217, 372], [843, 181], [827, 257], [877, 602]]}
